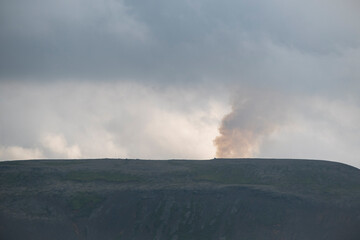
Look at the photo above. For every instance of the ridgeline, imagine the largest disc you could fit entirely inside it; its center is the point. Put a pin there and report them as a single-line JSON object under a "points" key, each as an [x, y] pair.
{"points": [[227, 199]]}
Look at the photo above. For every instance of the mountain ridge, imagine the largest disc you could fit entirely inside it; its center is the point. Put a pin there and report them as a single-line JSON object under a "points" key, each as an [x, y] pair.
{"points": [[179, 199]]}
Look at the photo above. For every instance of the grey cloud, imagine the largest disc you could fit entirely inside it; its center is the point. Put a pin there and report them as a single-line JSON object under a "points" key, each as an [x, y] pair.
{"points": [[280, 52], [166, 41], [317, 128]]}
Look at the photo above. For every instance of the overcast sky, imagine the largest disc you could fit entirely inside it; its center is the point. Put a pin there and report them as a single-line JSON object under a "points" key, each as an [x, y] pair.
{"points": [[169, 79]]}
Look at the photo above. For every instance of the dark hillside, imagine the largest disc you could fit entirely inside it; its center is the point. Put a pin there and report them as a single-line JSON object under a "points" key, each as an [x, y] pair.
{"points": [[216, 199]]}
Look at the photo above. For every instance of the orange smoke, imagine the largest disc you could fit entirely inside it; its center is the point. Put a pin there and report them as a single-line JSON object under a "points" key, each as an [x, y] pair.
{"points": [[254, 115], [235, 143]]}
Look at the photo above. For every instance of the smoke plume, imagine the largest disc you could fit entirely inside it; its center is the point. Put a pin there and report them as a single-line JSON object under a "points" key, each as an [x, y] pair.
{"points": [[254, 116]]}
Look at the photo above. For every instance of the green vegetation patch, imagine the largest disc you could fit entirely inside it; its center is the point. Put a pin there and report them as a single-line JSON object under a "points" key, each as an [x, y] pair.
{"points": [[229, 175], [86, 176], [83, 203], [20, 178], [324, 182], [57, 163], [15, 163]]}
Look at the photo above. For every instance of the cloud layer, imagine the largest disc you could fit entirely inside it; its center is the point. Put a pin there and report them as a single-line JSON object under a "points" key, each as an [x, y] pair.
{"points": [[127, 120], [165, 79]]}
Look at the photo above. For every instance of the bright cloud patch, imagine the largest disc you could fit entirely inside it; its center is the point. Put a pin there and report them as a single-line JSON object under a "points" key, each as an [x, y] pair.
{"points": [[65, 120]]}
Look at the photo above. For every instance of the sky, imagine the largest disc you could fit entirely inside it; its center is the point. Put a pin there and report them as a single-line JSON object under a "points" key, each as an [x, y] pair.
{"points": [[182, 79]]}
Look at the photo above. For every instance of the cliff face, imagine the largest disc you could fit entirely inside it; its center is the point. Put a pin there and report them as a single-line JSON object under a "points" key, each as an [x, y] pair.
{"points": [[218, 199]]}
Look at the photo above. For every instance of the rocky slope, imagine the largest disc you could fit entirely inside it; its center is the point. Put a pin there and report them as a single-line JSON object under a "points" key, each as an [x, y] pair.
{"points": [[215, 199]]}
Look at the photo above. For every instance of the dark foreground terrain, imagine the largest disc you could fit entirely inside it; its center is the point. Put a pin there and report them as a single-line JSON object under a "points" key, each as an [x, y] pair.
{"points": [[241, 199]]}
